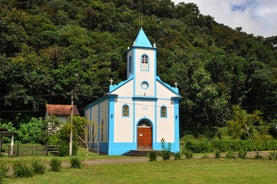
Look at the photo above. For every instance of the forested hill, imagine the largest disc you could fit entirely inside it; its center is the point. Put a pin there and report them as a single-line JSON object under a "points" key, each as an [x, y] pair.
{"points": [[49, 48]]}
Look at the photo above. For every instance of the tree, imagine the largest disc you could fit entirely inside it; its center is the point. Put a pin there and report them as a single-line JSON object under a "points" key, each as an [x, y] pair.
{"points": [[250, 126]]}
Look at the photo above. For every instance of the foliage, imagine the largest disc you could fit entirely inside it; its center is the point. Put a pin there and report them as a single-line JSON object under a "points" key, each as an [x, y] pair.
{"points": [[188, 154], [177, 156], [242, 154], [33, 131], [272, 156], [152, 156], [3, 172], [217, 154], [22, 169], [166, 150], [230, 154], [45, 43], [75, 162], [38, 167], [249, 125], [55, 164]]}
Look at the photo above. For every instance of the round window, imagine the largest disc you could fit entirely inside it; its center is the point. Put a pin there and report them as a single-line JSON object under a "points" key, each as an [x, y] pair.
{"points": [[144, 85]]}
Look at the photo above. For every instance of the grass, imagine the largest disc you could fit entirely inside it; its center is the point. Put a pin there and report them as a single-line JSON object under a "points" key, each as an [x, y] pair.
{"points": [[192, 171]]}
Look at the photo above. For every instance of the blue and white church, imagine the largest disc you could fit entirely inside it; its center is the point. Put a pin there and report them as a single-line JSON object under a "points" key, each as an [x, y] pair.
{"points": [[136, 114]]}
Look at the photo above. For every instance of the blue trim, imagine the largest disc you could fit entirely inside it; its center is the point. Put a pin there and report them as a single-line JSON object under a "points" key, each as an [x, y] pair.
{"points": [[121, 148], [176, 147], [173, 89], [116, 86], [111, 122]]}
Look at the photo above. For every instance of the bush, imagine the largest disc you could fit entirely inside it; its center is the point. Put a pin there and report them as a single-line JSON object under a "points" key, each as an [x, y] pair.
{"points": [[177, 156], [152, 156], [21, 169], [242, 154], [55, 164], [3, 172], [165, 153], [272, 156], [217, 154], [188, 154], [230, 154], [38, 167], [75, 162]]}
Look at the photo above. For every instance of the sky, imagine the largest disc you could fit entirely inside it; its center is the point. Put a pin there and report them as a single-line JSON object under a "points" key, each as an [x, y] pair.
{"points": [[257, 17]]}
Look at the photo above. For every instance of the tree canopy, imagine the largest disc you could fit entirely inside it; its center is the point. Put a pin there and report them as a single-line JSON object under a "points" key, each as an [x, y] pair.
{"points": [[48, 48]]}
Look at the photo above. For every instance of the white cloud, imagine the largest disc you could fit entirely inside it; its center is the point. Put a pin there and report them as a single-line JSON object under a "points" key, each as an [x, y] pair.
{"points": [[257, 17]]}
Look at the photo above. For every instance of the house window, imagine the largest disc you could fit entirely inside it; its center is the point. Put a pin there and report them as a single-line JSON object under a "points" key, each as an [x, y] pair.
{"points": [[144, 62], [102, 130], [125, 110], [163, 111]]}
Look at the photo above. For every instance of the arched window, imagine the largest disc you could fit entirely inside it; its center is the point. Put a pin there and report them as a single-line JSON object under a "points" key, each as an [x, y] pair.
{"points": [[163, 111], [144, 62], [125, 110]]}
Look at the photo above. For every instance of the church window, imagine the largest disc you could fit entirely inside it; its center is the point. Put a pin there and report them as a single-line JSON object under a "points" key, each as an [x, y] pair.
{"points": [[125, 110], [163, 111], [130, 64], [144, 62]]}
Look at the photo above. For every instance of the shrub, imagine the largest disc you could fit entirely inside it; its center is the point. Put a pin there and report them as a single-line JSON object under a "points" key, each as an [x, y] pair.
{"points": [[188, 154], [75, 162], [177, 156], [55, 164], [21, 169], [153, 156], [3, 172], [38, 167], [230, 154], [217, 154], [272, 156], [242, 154], [165, 153]]}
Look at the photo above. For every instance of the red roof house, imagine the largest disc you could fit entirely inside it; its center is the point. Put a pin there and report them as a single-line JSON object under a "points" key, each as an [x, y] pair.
{"points": [[61, 111]]}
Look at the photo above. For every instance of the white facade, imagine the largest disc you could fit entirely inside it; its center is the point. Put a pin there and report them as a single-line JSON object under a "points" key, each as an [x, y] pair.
{"points": [[138, 112]]}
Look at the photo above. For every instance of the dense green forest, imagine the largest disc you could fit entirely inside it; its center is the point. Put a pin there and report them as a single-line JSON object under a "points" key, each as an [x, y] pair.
{"points": [[49, 47]]}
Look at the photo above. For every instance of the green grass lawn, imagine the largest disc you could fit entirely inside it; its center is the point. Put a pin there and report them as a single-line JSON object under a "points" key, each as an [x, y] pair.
{"points": [[181, 171]]}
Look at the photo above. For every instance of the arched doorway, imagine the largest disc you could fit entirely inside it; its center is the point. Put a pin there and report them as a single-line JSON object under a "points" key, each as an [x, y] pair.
{"points": [[144, 135]]}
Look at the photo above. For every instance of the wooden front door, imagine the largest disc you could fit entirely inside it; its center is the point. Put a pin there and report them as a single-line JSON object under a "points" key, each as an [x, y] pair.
{"points": [[144, 137]]}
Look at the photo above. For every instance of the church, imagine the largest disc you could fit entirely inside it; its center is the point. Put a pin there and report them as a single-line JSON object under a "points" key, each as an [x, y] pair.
{"points": [[136, 114]]}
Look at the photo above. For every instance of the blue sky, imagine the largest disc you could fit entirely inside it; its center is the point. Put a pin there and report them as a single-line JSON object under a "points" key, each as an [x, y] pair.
{"points": [[257, 17]]}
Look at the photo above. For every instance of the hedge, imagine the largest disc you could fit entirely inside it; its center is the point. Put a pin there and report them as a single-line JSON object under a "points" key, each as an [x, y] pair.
{"points": [[227, 145]]}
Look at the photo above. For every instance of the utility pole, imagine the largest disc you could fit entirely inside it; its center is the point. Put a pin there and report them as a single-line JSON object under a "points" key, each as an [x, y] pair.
{"points": [[71, 124]]}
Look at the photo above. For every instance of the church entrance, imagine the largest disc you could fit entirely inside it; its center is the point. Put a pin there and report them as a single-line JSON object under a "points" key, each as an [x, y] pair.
{"points": [[144, 135]]}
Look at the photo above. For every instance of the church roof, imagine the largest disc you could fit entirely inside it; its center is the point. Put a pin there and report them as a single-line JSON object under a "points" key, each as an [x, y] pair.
{"points": [[142, 40]]}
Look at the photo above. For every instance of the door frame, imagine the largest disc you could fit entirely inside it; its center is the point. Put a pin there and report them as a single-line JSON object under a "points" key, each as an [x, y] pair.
{"points": [[144, 123]]}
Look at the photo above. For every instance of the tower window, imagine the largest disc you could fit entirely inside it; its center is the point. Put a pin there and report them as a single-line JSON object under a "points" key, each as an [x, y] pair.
{"points": [[163, 111], [144, 62], [130, 64], [125, 110]]}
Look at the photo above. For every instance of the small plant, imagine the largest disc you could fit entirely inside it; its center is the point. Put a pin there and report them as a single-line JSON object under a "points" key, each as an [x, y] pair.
{"points": [[38, 167], [21, 169], [242, 154], [75, 162], [165, 153], [3, 172], [188, 154], [217, 154], [205, 155], [153, 156], [230, 154], [177, 156], [272, 156], [55, 164]]}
